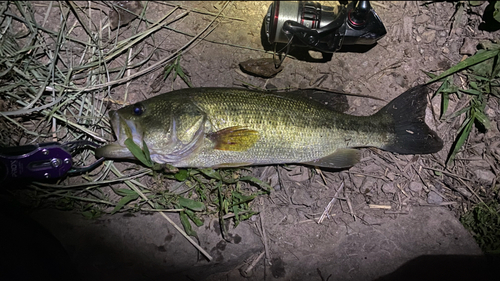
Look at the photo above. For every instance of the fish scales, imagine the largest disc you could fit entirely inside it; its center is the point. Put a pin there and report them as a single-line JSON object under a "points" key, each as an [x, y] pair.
{"points": [[223, 127], [290, 129]]}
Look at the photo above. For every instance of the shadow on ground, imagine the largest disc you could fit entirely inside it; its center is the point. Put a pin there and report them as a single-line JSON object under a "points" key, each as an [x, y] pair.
{"points": [[427, 244]]}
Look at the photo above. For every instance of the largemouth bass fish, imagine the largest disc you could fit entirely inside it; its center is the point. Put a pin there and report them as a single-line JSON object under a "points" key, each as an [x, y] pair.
{"points": [[224, 127]]}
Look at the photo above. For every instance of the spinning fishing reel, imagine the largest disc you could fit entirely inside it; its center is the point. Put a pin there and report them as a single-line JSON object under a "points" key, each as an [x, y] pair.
{"points": [[323, 28]]}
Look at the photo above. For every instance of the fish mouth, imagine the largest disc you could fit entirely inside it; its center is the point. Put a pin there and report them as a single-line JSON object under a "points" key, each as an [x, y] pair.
{"points": [[123, 129]]}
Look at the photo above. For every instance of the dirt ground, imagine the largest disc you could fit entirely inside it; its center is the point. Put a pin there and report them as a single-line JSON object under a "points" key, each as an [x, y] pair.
{"points": [[393, 217]]}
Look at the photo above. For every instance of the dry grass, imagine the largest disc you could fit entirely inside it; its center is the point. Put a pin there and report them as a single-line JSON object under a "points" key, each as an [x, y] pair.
{"points": [[59, 76]]}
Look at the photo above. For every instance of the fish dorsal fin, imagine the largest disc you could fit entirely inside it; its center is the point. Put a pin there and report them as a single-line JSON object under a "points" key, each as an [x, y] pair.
{"points": [[341, 158], [236, 138]]}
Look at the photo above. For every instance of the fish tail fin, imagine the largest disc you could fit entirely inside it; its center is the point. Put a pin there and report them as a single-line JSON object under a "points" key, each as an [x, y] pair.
{"points": [[412, 135]]}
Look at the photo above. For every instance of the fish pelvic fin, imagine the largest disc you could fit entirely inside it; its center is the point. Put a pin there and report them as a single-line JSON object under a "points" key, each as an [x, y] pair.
{"points": [[234, 138], [341, 158], [411, 133]]}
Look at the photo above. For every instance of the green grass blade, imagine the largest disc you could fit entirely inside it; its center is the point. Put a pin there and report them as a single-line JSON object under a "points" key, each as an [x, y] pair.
{"points": [[211, 173], [431, 75], [194, 218], [471, 92], [168, 69], [186, 224], [462, 137], [496, 12], [124, 201], [496, 68], [182, 175], [239, 198], [460, 112], [445, 100], [183, 76], [483, 119], [496, 92], [475, 59], [125, 192], [137, 152], [191, 204], [473, 85], [146, 151], [478, 78], [267, 188]]}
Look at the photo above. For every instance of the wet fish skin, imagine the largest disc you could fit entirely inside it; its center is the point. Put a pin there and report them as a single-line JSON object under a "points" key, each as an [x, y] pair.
{"points": [[224, 127]]}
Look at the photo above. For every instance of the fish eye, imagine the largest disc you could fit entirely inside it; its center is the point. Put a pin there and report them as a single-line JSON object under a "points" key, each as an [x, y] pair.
{"points": [[138, 109]]}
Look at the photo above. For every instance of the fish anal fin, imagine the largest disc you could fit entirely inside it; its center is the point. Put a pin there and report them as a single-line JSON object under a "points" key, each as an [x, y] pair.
{"points": [[341, 158], [234, 138]]}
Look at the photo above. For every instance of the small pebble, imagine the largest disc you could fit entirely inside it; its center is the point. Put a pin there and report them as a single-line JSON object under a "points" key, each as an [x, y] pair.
{"points": [[369, 185], [459, 31], [484, 175], [371, 168], [490, 112], [263, 67], [388, 188], [357, 181], [441, 41], [416, 186], [479, 149], [468, 47], [302, 197], [434, 198], [429, 36], [423, 18], [315, 54]]}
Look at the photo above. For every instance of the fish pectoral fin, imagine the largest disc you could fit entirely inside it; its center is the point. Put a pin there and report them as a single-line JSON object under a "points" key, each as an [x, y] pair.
{"points": [[341, 158], [234, 138]]}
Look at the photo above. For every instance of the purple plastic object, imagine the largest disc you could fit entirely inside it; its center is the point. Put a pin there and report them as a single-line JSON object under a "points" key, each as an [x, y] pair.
{"points": [[43, 161]]}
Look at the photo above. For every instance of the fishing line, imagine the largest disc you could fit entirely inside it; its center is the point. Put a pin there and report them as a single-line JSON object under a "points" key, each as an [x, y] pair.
{"points": [[287, 46]]}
